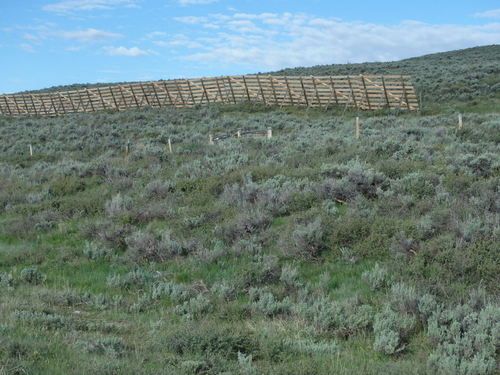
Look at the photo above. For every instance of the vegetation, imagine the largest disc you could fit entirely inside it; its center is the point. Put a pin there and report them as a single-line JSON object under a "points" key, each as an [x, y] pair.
{"points": [[309, 253]]}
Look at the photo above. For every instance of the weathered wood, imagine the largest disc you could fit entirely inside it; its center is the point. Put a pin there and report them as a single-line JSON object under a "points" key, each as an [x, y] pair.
{"points": [[168, 93], [219, 89], [156, 94], [352, 92], [304, 91], [404, 92], [246, 88], [366, 92], [144, 95], [7, 104], [274, 90], [114, 98], [204, 90], [34, 105], [190, 91], [385, 93], [231, 88], [289, 91], [334, 91], [261, 90]]}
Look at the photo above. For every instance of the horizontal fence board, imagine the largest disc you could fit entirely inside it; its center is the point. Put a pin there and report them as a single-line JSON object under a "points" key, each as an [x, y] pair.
{"points": [[362, 91]]}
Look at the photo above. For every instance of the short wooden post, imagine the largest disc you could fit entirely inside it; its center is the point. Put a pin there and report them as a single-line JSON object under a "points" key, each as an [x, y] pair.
{"points": [[238, 133], [127, 147], [269, 133], [170, 145], [31, 150], [210, 139], [460, 122], [357, 128]]}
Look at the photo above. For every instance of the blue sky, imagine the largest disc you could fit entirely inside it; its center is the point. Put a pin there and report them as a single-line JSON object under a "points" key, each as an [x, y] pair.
{"points": [[45, 43]]}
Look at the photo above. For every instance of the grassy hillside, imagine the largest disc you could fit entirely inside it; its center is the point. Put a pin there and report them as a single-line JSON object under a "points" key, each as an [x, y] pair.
{"points": [[309, 253]]}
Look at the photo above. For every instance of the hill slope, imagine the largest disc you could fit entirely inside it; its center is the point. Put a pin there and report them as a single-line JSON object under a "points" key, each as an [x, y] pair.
{"points": [[313, 252]]}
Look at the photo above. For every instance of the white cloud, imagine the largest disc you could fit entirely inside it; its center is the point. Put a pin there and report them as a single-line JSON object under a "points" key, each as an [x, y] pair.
{"points": [[272, 41], [30, 37], [70, 6], [191, 20], [123, 51], [493, 13], [27, 47], [156, 34], [89, 35], [196, 2]]}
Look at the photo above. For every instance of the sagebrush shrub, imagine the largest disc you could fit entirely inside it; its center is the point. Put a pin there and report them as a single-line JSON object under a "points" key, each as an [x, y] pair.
{"points": [[118, 206], [290, 276], [377, 277], [465, 340], [266, 303], [404, 298], [392, 330], [112, 346], [307, 240], [32, 275], [194, 308]]}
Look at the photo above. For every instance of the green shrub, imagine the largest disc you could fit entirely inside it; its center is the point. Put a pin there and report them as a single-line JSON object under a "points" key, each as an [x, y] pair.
{"points": [[266, 303], [110, 346], [290, 276], [138, 277], [377, 277], [465, 340], [32, 275], [307, 240], [404, 299], [392, 331], [194, 308]]}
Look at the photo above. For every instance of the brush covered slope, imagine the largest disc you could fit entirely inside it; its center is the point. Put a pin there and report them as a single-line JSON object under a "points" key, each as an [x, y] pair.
{"points": [[312, 252]]}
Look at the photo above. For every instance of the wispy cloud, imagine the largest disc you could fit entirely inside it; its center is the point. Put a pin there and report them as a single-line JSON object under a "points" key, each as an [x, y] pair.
{"points": [[89, 35], [71, 6], [123, 51], [27, 47], [274, 41], [191, 20], [493, 13], [196, 2]]}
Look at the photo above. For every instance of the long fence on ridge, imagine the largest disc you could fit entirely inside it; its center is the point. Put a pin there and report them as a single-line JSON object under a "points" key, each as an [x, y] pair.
{"points": [[361, 91]]}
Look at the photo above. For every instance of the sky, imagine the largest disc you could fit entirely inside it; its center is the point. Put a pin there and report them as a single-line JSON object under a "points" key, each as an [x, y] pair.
{"points": [[46, 43]]}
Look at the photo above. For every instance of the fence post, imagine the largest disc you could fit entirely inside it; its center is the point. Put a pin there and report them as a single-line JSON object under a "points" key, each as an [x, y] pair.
{"points": [[269, 133], [357, 131], [169, 145], [210, 139], [31, 150], [127, 147], [238, 133], [460, 122]]}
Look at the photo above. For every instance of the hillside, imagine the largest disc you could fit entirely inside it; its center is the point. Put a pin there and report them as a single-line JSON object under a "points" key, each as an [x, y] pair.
{"points": [[312, 252], [468, 78]]}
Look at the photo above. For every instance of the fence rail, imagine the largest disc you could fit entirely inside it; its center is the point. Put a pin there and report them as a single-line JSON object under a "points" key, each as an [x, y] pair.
{"points": [[361, 91]]}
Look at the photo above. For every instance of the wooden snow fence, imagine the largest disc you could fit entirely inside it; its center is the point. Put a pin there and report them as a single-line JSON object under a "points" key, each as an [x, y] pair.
{"points": [[362, 91]]}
